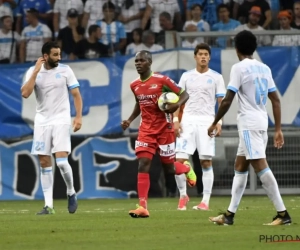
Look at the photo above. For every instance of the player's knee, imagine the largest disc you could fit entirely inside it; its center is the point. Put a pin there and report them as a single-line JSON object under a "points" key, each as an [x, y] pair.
{"points": [[45, 161], [144, 165], [62, 163], [205, 163]]}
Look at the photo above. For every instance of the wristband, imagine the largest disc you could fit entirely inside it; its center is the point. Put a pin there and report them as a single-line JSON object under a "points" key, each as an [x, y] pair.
{"points": [[175, 119], [220, 122]]}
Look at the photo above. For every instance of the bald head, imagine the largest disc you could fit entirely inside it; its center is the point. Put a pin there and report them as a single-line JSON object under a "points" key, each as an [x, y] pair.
{"points": [[145, 54]]}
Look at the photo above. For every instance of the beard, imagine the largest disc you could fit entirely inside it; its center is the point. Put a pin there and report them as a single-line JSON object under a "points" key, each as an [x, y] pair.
{"points": [[52, 63]]}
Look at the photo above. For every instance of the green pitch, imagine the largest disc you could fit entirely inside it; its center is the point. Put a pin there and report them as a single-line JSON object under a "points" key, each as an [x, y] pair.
{"points": [[106, 225]]}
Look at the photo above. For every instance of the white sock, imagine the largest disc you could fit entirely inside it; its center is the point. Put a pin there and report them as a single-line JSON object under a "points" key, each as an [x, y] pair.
{"points": [[181, 184], [66, 173], [208, 181], [238, 187], [269, 184], [47, 185]]}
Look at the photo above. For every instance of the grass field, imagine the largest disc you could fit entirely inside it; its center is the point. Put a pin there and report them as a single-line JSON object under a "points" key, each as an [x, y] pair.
{"points": [[105, 224]]}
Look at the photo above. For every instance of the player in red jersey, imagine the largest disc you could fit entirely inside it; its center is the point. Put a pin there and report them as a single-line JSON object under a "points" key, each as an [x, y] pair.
{"points": [[156, 132]]}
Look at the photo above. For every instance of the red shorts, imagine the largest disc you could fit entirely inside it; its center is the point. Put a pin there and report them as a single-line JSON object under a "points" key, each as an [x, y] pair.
{"points": [[147, 145]]}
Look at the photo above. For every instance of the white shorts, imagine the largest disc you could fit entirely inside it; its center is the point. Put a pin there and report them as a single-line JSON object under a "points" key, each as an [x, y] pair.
{"points": [[252, 144], [51, 139], [194, 136]]}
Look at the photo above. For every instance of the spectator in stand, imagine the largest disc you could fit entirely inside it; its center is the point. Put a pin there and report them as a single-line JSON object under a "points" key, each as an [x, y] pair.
{"points": [[165, 21], [149, 42], [93, 12], [70, 35], [137, 44], [225, 24], [203, 26], [154, 8], [33, 37], [190, 42], [296, 23], [60, 10], [285, 19], [91, 48], [209, 9], [4, 10], [9, 40], [113, 32], [287, 4], [42, 6], [266, 16], [252, 25], [131, 15]]}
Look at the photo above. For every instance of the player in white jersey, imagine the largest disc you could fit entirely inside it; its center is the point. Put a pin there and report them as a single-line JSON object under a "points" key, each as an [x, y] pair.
{"points": [[204, 87], [51, 83], [252, 81]]}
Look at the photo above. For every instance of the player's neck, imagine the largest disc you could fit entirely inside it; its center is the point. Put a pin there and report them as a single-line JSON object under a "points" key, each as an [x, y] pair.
{"points": [[202, 69], [146, 76], [245, 57]]}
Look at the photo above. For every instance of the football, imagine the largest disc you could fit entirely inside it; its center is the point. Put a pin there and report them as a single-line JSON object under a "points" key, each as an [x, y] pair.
{"points": [[167, 97]]}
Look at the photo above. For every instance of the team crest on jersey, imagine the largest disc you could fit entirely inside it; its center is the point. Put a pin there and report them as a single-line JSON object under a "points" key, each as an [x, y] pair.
{"points": [[57, 76], [153, 86], [209, 81]]}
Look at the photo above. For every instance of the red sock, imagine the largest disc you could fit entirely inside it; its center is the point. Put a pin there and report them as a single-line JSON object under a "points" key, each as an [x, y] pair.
{"points": [[180, 168], [143, 188]]}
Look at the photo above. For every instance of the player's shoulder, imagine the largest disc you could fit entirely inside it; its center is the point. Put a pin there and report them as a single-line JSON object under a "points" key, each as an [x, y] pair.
{"points": [[135, 82], [64, 67], [214, 73], [158, 75], [188, 73]]}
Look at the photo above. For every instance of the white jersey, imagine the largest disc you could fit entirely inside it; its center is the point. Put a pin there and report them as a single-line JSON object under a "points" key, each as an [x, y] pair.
{"points": [[52, 96], [252, 81], [203, 89]]}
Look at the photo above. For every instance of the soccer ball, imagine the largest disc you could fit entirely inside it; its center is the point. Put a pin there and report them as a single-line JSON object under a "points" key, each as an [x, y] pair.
{"points": [[167, 97]]}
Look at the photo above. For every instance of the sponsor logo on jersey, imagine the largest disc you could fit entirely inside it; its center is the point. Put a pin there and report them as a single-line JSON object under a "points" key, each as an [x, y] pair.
{"points": [[144, 97], [153, 86]]}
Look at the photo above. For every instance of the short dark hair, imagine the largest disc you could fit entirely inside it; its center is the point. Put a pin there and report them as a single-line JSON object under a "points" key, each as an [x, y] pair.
{"points": [[147, 53], [139, 31], [93, 28], [46, 49], [197, 5], [166, 14], [245, 43], [202, 46], [222, 6], [108, 5]]}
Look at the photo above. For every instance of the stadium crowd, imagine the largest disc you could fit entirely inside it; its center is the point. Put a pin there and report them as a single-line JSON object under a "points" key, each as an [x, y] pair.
{"points": [[89, 29]]}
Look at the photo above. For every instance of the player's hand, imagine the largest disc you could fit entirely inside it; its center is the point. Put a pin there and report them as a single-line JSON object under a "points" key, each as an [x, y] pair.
{"points": [[211, 130], [171, 107], [177, 128], [218, 130], [278, 139], [77, 123], [39, 64], [125, 124]]}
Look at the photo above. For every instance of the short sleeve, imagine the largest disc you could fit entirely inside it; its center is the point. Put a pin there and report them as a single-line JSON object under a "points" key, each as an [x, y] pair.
{"points": [[27, 76], [56, 8], [170, 86], [220, 88], [235, 79], [46, 32], [142, 4], [121, 31], [271, 83], [87, 7], [23, 34], [72, 80], [182, 81]]}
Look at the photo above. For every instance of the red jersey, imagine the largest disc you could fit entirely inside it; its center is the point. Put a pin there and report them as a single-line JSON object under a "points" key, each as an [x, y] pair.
{"points": [[153, 120]]}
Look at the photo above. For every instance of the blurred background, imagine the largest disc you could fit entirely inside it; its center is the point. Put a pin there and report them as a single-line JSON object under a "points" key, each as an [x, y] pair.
{"points": [[99, 40]]}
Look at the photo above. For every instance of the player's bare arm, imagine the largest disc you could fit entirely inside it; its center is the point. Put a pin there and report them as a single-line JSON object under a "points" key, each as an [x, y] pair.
{"points": [[78, 107], [278, 137], [135, 113], [219, 124], [223, 109], [173, 107], [28, 87]]}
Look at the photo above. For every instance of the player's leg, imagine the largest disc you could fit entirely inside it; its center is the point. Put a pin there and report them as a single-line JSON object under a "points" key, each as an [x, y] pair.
{"points": [[145, 148], [42, 147], [61, 149], [238, 186], [206, 149], [258, 142]]}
